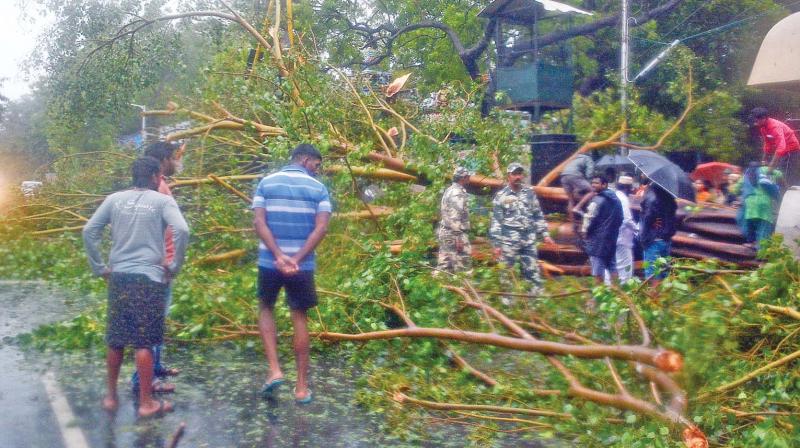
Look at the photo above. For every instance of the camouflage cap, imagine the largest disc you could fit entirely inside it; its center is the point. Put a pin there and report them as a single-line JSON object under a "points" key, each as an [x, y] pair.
{"points": [[460, 172], [515, 166]]}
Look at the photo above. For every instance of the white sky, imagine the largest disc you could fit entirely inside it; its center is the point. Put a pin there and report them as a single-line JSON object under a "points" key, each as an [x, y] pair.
{"points": [[17, 40]]}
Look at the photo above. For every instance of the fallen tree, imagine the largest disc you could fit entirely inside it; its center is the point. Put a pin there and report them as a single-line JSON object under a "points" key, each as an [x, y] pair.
{"points": [[601, 377]]}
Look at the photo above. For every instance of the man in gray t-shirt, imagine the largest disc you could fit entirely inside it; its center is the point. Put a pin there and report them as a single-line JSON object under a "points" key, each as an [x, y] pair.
{"points": [[137, 275], [575, 180]]}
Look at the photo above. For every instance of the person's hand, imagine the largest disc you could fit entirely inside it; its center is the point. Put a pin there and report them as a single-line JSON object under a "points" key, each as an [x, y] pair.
{"points": [[286, 265], [168, 274], [459, 246], [497, 253], [549, 240], [106, 274]]}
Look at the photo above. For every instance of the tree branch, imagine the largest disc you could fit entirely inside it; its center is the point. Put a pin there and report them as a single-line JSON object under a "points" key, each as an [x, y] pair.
{"points": [[662, 359], [527, 46], [403, 398]]}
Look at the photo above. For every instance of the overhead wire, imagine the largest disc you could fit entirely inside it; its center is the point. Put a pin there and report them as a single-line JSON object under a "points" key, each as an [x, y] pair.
{"points": [[685, 19], [734, 23], [718, 29]]}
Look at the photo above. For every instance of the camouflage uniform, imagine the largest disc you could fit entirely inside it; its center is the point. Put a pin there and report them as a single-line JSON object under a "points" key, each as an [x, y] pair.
{"points": [[517, 225], [453, 227]]}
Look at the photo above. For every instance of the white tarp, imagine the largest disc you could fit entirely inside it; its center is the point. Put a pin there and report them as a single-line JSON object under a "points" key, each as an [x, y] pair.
{"points": [[550, 5], [778, 59]]}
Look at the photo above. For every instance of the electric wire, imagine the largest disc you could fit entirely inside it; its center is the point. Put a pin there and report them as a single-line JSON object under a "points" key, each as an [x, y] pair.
{"points": [[718, 29]]}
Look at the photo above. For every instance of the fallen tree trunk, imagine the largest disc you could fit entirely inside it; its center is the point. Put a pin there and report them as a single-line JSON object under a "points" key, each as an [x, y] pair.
{"points": [[225, 256], [685, 252], [682, 239], [374, 212], [728, 232], [372, 173], [665, 360], [621, 400]]}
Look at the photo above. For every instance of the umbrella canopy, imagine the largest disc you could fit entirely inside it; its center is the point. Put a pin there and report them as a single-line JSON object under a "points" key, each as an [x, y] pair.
{"points": [[778, 60], [663, 173], [714, 172], [616, 161]]}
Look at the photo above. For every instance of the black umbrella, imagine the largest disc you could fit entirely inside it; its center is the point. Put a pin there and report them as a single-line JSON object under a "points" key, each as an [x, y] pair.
{"points": [[618, 162], [663, 173]]}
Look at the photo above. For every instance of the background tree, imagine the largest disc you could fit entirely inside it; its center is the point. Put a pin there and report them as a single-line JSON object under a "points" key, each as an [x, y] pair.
{"points": [[89, 95]]}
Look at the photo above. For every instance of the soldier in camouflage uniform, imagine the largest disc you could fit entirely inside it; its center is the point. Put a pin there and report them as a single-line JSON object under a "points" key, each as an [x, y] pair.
{"points": [[454, 248], [517, 226]]}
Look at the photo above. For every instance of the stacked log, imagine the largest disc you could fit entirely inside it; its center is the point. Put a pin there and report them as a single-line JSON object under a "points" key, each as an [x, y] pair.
{"points": [[707, 232]]}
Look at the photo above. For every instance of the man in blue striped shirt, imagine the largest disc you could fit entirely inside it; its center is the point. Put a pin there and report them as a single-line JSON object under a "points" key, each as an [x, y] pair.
{"points": [[292, 210]]}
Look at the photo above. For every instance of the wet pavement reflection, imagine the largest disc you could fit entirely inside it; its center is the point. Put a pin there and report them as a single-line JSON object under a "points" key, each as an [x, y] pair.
{"points": [[217, 397]]}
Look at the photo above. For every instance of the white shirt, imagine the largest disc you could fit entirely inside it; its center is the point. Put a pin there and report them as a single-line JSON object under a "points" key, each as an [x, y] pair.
{"points": [[628, 228]]}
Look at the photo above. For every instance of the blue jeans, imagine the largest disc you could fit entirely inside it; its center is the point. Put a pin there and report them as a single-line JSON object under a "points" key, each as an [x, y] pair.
{"points": [[158, 368], [652, 252]]}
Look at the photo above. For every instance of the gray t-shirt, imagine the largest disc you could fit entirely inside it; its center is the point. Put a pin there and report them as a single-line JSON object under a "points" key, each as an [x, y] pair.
{"points": [[582, 165], [138, 220]]}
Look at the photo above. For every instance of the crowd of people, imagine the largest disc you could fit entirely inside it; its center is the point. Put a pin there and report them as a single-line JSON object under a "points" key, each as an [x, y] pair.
{"points": [[602, 214], [607, 229]]}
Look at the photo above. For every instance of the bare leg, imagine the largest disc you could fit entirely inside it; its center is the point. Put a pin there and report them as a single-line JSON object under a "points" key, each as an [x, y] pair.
{"points": [[301, 351], [269, 336], [144, 365], [113, 363]]}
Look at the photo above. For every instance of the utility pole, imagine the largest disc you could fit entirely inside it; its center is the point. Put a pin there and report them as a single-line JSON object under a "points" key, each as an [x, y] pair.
{"points": [[623, 67]]}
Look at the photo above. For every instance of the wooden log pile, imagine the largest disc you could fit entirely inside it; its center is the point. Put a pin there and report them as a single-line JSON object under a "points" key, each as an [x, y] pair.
{"points": [[710, 232]]}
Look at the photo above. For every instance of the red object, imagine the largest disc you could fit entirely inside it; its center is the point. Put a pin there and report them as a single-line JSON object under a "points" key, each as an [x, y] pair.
{"points": [[169, 242], [693, 437], [713, 172], [778, 137]]}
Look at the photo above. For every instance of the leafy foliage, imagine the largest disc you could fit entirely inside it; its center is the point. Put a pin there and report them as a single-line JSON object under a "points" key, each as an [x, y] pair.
{"points": [[722, 332]]}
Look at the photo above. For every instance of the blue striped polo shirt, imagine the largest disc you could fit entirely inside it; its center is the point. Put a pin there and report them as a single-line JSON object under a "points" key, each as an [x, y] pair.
{"points": [[292, 199]]}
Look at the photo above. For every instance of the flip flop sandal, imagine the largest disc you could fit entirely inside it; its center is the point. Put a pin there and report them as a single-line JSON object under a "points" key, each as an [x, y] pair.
{"points": [[161, 387], [167, 371], [307, 400], [270, 387], [160, 412]]}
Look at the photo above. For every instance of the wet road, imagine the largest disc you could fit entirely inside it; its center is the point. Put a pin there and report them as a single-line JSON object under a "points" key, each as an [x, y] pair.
{"points": [[26, 417], [217, 395]]}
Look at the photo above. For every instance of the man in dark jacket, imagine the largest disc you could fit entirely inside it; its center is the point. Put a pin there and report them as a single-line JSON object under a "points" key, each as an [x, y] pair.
{"points": [[600, 229], [657, 226]]}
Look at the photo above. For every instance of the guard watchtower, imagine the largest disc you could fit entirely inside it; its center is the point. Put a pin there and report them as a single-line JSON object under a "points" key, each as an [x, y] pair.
{"points": [[536, 78]]}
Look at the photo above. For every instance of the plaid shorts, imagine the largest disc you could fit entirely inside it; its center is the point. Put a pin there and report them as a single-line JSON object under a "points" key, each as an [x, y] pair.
{"points": [[135, 311]]}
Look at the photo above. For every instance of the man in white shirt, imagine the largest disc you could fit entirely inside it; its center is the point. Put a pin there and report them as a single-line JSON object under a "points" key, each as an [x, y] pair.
{"points": [[627, 231]]}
